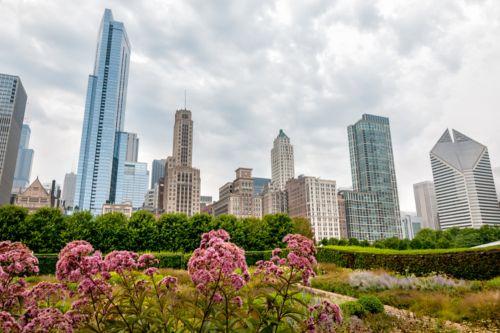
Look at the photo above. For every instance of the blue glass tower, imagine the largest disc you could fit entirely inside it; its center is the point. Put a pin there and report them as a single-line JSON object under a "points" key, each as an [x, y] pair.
{"points": [[104, 117], [372, 208]]}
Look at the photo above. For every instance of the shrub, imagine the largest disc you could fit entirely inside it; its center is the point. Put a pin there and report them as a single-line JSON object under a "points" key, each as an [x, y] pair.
{"points": [[353, 308], [371, 304]]}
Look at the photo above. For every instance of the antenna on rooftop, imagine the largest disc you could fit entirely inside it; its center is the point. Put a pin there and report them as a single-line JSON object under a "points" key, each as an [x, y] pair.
{"points": [[185, 98]]}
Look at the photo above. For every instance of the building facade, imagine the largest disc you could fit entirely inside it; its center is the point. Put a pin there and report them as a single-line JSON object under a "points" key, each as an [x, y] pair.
{"points": [[282, 161], [68, 194], [372, 208], [103, 118], [237, 198], [181, 181], [316, 200], [425, 201], [157, 171], [410, 225], [123, 208], [132, 147], [12, 106], [463, 182], [24, 161], [133, 184], [37, 196]]}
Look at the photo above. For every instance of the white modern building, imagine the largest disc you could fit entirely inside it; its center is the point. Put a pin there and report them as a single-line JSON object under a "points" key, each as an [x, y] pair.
{"points": [[316, 200], [68, 193], [463, 181], [425, 201], [410, 225]]}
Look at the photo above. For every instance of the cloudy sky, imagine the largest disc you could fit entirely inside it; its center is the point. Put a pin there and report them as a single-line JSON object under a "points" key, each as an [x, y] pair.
{"points": [[253, 67]]}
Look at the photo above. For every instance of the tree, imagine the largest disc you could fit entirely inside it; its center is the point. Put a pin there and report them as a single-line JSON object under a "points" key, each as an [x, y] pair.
{"points": [[42, 231], [170, 230], [353, 242], [302, 226], [111, 232], [277, 227], [142, 228], [11, 219], [196, 225], [79, 226]]}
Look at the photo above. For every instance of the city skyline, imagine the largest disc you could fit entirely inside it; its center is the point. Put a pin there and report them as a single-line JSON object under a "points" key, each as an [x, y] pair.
{"points": [[436, 79]]}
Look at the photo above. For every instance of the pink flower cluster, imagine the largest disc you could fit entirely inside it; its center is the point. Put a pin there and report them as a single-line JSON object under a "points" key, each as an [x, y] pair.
{"points": [[301, 258], [16, 259], [323, 317], [218, 262], [78, 260]]}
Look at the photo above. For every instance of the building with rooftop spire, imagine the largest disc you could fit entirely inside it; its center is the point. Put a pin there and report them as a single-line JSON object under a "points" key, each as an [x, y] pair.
{"points": [[463, 182], [181, 191]]}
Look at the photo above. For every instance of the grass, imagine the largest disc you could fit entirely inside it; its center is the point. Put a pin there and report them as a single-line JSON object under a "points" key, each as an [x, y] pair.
{"points": [[361, 249]]}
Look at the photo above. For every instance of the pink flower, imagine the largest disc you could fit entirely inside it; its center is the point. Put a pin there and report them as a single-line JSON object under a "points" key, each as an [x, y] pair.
{"points": [[147, 260], [151, 271], [218, 261], [169, 282], [119, 261], [16, 259], [217, 298], [323, 317], [8, 324], [78, 260], [49, 320], [238, 301]]}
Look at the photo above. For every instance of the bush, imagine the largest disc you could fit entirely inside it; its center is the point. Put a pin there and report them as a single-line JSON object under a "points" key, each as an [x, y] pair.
{"points": [[470, 264], [371, 304], [352, 308]]}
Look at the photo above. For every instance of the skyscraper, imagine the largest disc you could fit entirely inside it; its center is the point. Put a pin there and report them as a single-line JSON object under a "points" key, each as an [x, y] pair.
{"points": [[182, 181], [425, 201], [12, 106], [69, 185], [104, 117], [157, 171], [282, 162], [274, 196], [372, 208], [24, 161], [132, 147], [463, 180]]}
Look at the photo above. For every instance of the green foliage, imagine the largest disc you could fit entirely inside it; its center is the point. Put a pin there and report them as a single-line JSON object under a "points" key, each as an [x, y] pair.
{"points": [[41, 231], [111, 233], [371, 304], [142, 227], [471, 264], [11, 219], [302, 226], [352, 308], [493, 283]]}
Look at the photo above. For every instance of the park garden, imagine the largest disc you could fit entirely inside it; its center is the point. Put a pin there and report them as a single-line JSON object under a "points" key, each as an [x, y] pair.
{"points": [[204, 274]]}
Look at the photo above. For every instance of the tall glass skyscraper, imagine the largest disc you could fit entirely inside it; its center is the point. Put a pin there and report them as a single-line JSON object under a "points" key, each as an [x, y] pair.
{"points": [[104, 117], [12, 105], [372, 209], [24, 161]]}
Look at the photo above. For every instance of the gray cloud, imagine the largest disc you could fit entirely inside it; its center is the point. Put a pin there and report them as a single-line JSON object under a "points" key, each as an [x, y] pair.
{"points": [[251, 68]]}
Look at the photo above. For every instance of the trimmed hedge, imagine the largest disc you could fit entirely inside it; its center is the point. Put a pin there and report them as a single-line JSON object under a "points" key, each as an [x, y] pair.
{"points": [[477, 264], [47, 262]]}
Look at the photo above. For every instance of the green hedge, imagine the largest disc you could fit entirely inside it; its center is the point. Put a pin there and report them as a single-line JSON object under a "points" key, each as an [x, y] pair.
{"points": [[477, 264], [47, 262]]}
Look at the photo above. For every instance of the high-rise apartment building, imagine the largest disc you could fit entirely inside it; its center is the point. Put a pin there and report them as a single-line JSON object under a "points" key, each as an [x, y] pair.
{"points": [[68, 193], [463, 181], [12, 106], [181, 180], [157, 171], [238, 198], [24, 161], [104, 117], [410, 225], [372, 208], [425, 201], [316, 200]]}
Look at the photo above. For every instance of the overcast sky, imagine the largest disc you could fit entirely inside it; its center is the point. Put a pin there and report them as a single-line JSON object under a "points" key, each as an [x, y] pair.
{"points": [[251, 68]]}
